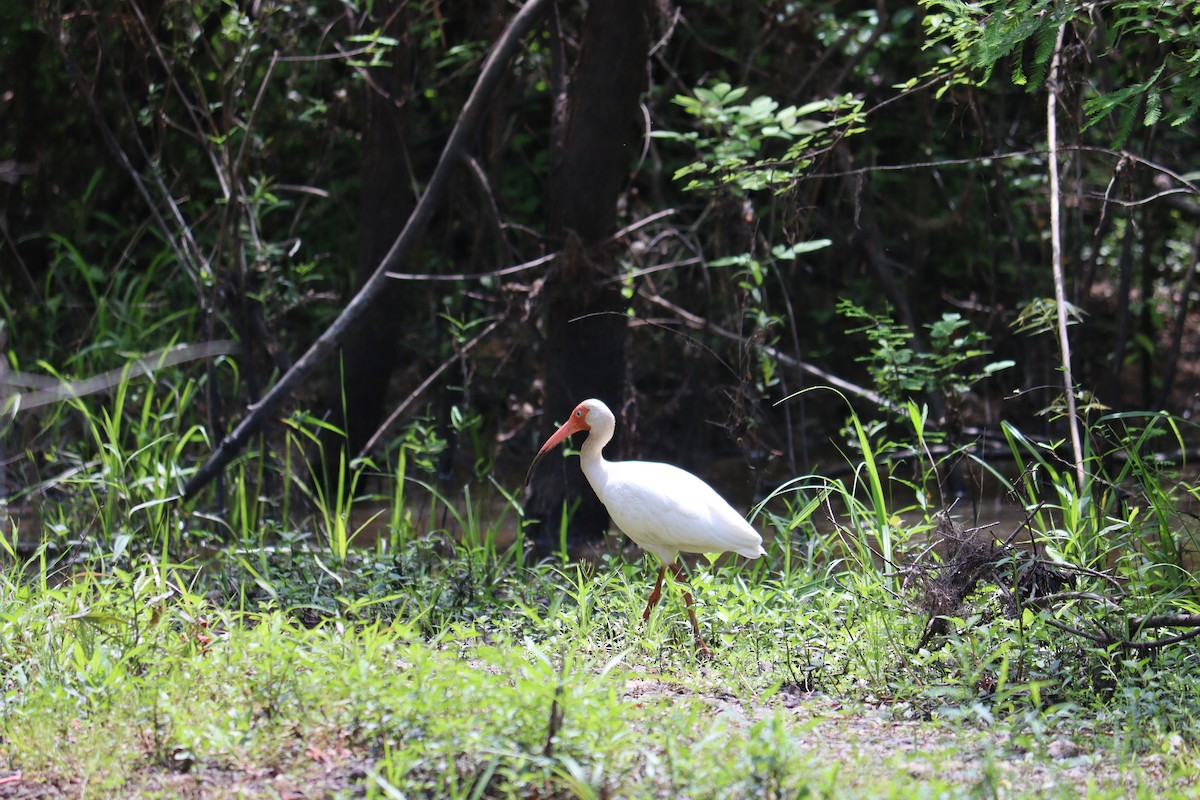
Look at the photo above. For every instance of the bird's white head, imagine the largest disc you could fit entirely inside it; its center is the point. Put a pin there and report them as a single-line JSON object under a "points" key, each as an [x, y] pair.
{"points": [[590, 415]]}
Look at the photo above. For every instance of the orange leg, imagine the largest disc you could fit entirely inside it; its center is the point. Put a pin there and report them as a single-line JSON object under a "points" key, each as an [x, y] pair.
{"points": [[656, 594], [701, 647]]}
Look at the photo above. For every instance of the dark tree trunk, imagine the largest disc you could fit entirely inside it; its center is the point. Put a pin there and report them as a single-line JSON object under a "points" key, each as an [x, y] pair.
{"points": [[372, 348], [396, 151], [593, 152]]}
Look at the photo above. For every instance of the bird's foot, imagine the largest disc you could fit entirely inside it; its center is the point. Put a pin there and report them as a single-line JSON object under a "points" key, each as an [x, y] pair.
{"points": [[702, 651]]}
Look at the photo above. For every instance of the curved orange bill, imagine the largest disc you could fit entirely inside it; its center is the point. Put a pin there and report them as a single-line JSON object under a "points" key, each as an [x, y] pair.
{"points": [[572, 425]]}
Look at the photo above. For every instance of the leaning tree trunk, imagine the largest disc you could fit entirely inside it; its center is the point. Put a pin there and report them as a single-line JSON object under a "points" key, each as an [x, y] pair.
{"points": [[583, 315]]}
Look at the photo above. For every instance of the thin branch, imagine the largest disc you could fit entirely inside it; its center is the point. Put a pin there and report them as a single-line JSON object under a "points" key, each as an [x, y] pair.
{"points": [[1060, 298], [292, 187], [1189, 186], [1103, 641], [700, 323], [425, 384], [16, 252], [1152, 645], [637, 273], [189, 257], [641, 223], [1145, 162], [528, 265], [201, 135], [248, 126], [493, 208], [1050, 599], [472, 276], [1141, 201], [464, 128], [340, 55], [1069, 567]]}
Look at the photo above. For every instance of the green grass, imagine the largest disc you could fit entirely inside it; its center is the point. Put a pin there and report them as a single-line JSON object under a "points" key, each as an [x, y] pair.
{"points": [[148, 648], [133, 685]]}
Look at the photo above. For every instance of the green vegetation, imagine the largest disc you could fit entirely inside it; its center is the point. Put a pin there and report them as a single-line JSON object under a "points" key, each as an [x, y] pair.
{"points": [[137, 663], [360, 608]]}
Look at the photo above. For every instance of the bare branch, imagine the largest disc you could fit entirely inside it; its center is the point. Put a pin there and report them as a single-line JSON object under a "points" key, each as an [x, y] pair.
{"points": [[700, 323], [1060, 299], [1103, 641], [528, 265], [472, 276], [1164, 621], [425, 384], [1050, 599], [1183, 637], [55, 390]]}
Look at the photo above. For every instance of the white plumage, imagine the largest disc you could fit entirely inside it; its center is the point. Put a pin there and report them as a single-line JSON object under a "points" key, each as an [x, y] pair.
{"points": [[661, 507], [667, 510]]}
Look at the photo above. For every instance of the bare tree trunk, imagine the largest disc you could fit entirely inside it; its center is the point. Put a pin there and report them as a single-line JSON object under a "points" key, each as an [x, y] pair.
{"points": [[1185, 292], [371, 350], [584, 324]]}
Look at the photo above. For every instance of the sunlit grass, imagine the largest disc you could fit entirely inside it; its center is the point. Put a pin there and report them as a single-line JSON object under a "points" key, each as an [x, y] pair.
{"points": [[111, 681], [148, 649]]}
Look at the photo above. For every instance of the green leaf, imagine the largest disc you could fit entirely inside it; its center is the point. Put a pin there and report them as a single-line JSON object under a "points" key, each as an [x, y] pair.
{"points": [[1153, 108], [120, 543], [789, 252], [730, 261]]}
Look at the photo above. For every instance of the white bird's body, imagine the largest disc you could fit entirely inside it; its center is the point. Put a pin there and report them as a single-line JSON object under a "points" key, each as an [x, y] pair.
{"points": [[666, 510]]}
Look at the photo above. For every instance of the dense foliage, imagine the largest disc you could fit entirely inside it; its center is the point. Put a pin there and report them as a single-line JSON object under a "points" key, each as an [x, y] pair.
{"points": [[214, 181]]}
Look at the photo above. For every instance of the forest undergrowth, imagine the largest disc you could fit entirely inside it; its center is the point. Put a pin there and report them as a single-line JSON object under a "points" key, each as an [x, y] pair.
{"points": [[882, 648]]}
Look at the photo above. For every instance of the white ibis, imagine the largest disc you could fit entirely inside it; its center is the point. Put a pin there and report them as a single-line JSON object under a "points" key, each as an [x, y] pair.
{"points": [[663, 508]]}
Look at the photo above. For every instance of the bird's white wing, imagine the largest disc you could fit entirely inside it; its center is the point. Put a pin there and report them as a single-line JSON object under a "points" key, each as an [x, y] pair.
{"points": [[665, 509]]}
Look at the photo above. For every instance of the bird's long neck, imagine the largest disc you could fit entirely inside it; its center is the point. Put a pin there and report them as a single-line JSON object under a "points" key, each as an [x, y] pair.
{"points": [[591, 459]]}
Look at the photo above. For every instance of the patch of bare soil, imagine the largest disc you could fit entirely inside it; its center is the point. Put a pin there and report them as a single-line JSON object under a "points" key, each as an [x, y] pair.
{"points": [[324, 773], [873, 743], [876, 742]]}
